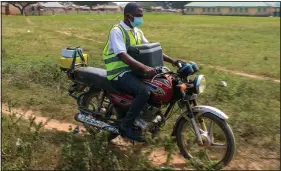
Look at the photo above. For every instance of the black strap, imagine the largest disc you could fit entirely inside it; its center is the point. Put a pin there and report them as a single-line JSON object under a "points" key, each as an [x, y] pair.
{"points": [[73, 61], [126, 36], [78, 51], [81, 56]]}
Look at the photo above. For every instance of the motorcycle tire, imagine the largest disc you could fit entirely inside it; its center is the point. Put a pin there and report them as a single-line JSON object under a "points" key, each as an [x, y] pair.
{"points": [[230, 147]]}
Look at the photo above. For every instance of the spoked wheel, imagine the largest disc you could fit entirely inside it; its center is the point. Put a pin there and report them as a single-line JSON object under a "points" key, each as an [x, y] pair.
{"points": [[91, 102], [218, 141]]}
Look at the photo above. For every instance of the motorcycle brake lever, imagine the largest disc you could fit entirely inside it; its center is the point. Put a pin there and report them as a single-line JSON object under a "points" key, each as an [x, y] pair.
{"points": [[179, 64]]}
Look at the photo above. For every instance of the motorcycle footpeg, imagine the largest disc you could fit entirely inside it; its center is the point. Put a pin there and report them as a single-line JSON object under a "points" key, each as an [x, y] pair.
{"points": [[76, 130], [132, 141]]}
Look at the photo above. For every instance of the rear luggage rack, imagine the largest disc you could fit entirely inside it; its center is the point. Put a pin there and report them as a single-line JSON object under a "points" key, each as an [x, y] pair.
{"points": [[76, 51]]}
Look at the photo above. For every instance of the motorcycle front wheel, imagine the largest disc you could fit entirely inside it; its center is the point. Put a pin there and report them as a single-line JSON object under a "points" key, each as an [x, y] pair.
{"points": [[218, 141]]}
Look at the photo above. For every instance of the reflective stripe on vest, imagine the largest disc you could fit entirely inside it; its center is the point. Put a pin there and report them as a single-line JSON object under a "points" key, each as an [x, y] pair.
{"points": [[115, 66]]}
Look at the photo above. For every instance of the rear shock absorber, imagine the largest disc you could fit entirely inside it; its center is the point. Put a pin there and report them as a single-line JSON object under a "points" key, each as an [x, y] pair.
{"points": [[100, 100]]}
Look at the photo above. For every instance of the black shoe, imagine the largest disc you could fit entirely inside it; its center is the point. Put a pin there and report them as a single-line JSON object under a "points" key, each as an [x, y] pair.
{"points": [[130, 133]]}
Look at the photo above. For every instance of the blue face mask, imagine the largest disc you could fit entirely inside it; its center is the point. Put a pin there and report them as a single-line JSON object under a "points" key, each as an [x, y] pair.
{"points": [[137, 22]]}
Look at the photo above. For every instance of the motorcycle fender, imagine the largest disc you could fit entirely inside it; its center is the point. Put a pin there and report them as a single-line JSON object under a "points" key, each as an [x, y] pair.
{"points": [[198, 111]]}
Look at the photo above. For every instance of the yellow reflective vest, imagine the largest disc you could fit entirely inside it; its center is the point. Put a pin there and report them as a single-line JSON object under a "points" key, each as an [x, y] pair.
{"points": [[114, 65]]}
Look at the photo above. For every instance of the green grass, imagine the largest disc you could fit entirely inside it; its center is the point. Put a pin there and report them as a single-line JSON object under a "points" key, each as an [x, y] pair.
{"points": [[27, 146], [30, 59], [240, 43], [31, 76]]}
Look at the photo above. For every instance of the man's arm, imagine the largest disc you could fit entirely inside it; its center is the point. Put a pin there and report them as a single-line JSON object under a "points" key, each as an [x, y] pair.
{"points": [[168, 59]]}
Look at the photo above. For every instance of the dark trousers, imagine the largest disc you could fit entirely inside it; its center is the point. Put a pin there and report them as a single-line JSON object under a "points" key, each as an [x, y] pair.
{"points": [[130, 84]]}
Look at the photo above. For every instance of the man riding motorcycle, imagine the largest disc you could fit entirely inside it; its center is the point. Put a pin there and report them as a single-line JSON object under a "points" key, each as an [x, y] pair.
{"points": [[119, 64]]}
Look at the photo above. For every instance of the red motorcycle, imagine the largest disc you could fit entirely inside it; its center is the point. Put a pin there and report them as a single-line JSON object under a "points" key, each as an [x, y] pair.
{"points": [[202, 132]]}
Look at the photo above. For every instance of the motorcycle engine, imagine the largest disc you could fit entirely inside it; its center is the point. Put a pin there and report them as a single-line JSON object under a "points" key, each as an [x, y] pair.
{"points": [[148, 117]]}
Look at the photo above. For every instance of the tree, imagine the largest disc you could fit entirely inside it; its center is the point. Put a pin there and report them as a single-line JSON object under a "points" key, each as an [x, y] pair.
{"points": [[147, 5], [160, 3], [178, 4], [21, 5], [112, 3]]}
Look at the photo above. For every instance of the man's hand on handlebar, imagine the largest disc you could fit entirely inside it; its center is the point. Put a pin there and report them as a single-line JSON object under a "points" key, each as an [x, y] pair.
{"points": [[178, 63], [172, 61]]}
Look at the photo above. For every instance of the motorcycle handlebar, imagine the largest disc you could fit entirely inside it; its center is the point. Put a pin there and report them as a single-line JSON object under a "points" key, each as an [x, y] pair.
{"points": [[179, 64], [158, 70]]}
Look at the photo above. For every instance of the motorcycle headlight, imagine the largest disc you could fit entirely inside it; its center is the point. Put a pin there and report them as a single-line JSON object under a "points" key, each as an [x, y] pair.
{"points": [[200, 84]]}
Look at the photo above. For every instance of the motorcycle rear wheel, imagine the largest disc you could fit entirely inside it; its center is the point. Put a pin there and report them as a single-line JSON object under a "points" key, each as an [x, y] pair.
{"points": [[90, 101]]}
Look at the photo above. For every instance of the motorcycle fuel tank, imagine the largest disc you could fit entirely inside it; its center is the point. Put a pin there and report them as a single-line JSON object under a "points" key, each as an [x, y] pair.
{"points": [[161, 89], [161, 92]]}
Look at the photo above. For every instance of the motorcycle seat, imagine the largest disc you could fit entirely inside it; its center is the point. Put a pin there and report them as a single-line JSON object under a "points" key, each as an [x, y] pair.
{"points": [[95, 77]]}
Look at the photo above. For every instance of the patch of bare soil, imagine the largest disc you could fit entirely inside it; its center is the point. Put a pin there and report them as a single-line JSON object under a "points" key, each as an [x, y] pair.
{"points": [[28, 20], [243, 73], [26, 114], [78, 36]]}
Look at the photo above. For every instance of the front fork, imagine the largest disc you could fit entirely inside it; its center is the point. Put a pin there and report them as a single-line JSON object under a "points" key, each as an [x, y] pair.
{"points": [[193, 122]]}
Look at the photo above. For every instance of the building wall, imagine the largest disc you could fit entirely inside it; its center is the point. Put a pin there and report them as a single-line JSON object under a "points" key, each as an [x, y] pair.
{"points": [[260, 11], [228, 11], [274, 10], [3, 8], [225, 11], [13, 10]]}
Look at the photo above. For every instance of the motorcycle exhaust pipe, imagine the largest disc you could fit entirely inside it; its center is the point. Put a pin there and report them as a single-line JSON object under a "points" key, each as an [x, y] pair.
{"points": [[80, 117]]}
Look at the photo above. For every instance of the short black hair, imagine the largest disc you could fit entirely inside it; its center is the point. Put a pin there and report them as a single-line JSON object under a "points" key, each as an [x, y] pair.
{"points": [[131, 7]]}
